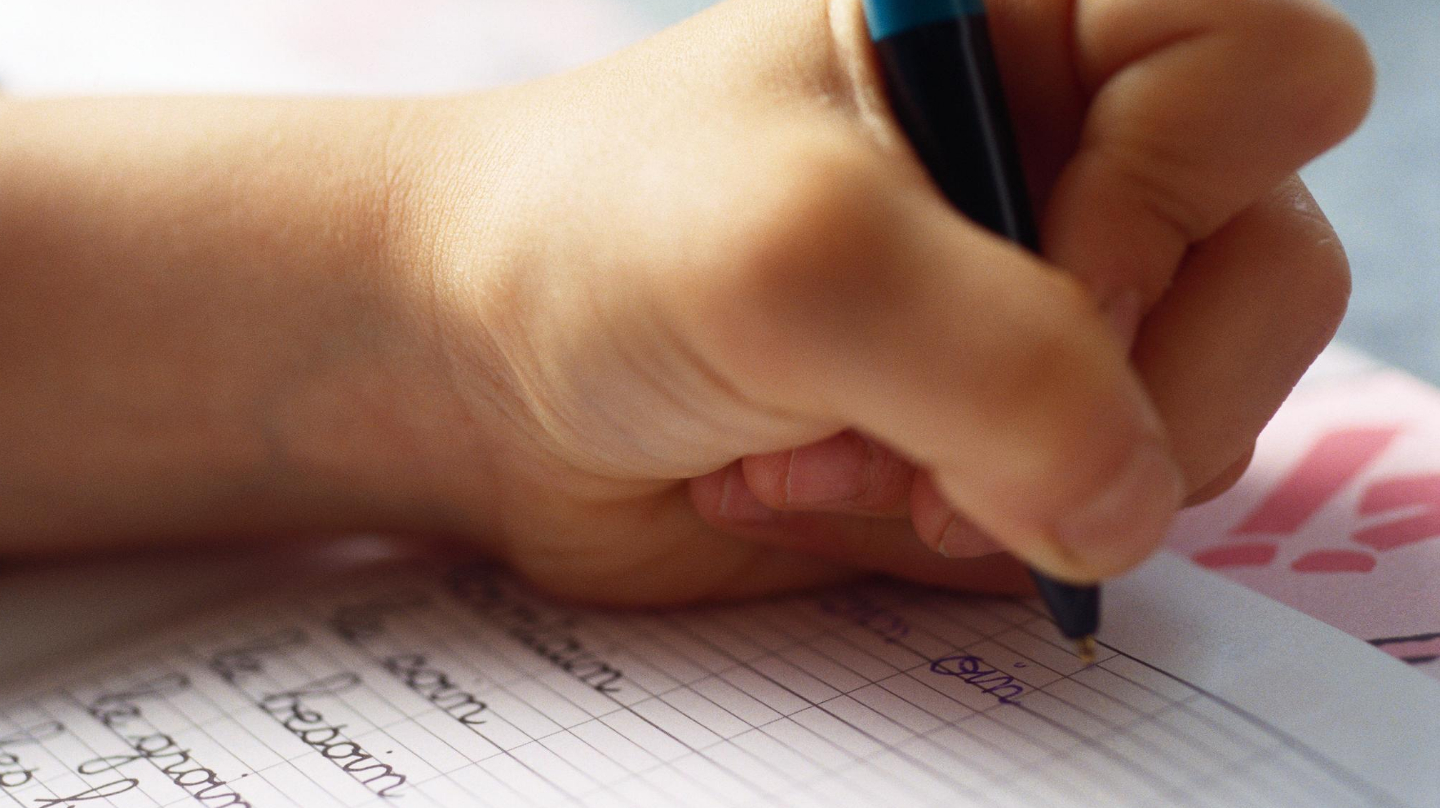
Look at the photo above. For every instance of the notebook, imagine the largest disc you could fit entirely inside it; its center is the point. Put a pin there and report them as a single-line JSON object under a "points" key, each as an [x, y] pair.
{"points": [[360, 679], [428, 683]]}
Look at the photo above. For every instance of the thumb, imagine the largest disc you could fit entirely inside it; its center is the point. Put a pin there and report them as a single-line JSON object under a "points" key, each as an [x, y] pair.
{"points": [[857, 300]]}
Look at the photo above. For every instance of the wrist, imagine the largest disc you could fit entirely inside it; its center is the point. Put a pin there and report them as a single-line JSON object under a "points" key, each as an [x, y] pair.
{"points": [[398, 431]]}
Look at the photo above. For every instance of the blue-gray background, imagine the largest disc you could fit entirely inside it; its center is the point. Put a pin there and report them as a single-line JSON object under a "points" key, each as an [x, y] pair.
{"points": [[1381, 188]]}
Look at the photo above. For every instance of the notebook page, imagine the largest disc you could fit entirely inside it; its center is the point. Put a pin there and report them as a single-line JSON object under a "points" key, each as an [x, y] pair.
{"points": [[420, 685]]}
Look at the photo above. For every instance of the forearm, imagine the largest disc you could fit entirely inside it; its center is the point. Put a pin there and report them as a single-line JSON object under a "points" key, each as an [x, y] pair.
{"points": [[211, 319]]}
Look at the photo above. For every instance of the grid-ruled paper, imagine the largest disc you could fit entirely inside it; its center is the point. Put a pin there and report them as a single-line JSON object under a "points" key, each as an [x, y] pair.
{"points": [[422, 686]]}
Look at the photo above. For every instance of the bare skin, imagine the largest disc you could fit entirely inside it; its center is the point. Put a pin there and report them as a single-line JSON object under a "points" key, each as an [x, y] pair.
{"points": [[687, 323]]}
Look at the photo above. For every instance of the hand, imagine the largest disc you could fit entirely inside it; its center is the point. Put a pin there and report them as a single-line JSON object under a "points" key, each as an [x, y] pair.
{"points": [[725, 338], [690, 322]]}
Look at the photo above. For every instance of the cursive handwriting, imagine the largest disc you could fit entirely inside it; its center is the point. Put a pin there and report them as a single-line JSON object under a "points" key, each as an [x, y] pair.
{"points": [[436, 687], [865, 613], [309, 725], [179, 765], [975, 671], [234, 664], [114, 710], [105, 792], [13, 773], [550, 636], [360, 622]]}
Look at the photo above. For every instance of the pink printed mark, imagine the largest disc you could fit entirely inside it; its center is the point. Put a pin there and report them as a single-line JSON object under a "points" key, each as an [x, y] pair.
{"points": [[1419, 491], [1334, 561], [1333, 462], [1237, 555]]}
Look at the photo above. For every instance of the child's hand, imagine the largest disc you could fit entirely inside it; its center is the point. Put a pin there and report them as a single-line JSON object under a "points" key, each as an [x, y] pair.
{"points": [[687, 322], [715, 248]]}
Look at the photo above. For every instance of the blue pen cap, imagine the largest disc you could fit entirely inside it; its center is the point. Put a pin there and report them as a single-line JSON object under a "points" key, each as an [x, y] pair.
{"points": [[890, 17]]}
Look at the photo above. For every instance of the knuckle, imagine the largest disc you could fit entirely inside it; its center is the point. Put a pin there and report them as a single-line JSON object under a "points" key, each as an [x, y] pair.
{"points": [[807, 247], [816, 220], [1160, 179]]}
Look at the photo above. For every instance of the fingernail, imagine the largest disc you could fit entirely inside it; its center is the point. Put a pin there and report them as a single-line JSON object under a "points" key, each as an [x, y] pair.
{"points": [[948, 540], [1123, 312], [1125, 521], [961, 539], [738, 503]]}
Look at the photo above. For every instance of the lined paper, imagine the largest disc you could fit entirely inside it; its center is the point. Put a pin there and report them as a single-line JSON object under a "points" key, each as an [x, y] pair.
{"points": [[425, 685]]}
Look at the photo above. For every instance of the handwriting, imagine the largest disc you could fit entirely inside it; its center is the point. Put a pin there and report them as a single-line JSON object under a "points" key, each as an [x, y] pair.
{"points": [[973, 670], [179, 765], [865, 613], [330, 741], [13, 773], [360, 622], [436, 687], [114, 710], [234, 664], [364, 622], [105, 792], [549, 636]]}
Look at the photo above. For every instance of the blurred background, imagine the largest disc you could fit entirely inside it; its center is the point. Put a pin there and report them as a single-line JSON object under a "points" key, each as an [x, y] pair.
{"points": [[1381, 188]]}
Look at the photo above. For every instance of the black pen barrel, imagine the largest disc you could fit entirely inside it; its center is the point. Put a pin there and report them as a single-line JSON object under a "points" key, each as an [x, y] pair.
{"points": [[946, 95]]}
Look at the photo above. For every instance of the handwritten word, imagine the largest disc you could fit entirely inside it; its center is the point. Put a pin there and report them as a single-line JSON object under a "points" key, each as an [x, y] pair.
{"points": [[436, 686], [13, 773], [865, 613], [114, 710], [179, 765], [362, 622], [234, 664], [105, 792], [550, 636], [973, 670], [310, 727]]}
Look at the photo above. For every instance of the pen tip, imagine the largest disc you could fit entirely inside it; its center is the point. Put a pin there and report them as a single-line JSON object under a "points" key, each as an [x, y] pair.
{"points": [[1085, 649]]}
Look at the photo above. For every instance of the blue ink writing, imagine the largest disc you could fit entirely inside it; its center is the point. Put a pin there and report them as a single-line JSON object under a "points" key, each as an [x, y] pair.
{"points": [[975, 671]]}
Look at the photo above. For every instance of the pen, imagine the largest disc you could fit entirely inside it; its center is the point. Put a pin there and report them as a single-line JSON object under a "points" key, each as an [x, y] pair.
{"points": [[944, 88]]}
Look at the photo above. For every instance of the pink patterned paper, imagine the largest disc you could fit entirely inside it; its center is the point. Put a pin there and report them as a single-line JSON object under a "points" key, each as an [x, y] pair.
{"points": [[1339, 516]]}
